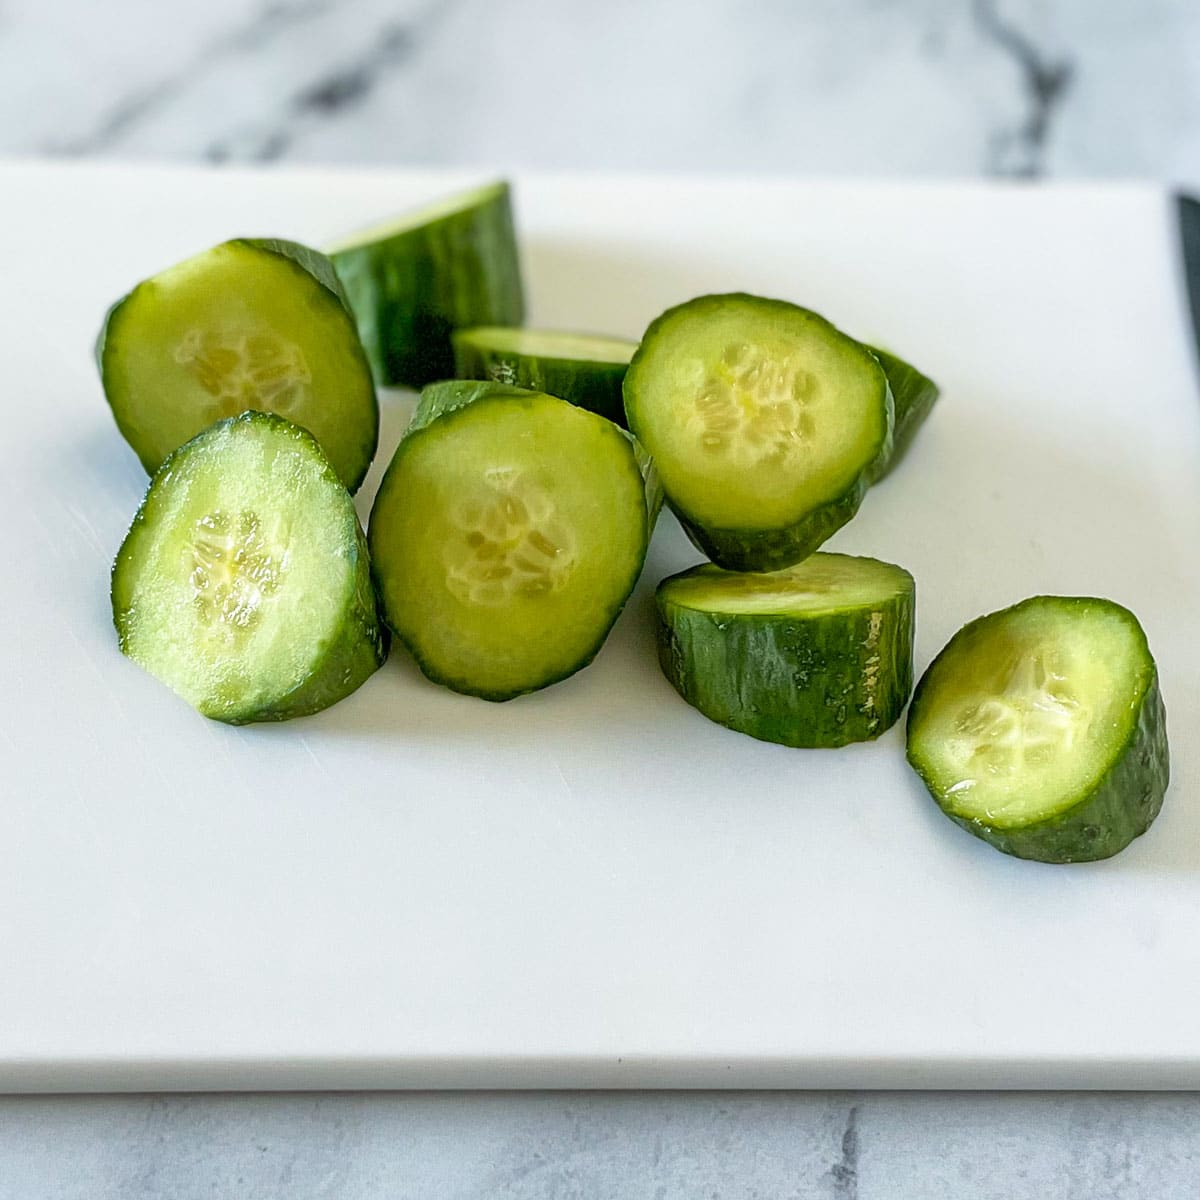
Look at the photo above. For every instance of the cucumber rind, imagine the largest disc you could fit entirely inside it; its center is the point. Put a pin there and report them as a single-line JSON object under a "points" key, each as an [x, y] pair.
{"points": [[913, 394], [797, 679], [410, 283], [440, 401], [315, 267], [492, 352], [344, 663], [769, 549], [1118, 806]]}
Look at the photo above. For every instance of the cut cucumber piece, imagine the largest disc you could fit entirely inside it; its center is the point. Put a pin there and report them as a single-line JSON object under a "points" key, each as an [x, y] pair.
{"points": [[585, 369], [914, 396], [508, 532], [816, 655], [1040, 729], [413, 281], [765, 422], [244, 583], [250, 324]]}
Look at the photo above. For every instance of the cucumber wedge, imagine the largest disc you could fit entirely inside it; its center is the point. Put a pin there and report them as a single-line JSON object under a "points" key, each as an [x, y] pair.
{"points": [[815, 655], [250, 324], [508, 532], [914, 396], [412, 281], [243, 583], [585, 369], [765, 422], [1040, 729]]}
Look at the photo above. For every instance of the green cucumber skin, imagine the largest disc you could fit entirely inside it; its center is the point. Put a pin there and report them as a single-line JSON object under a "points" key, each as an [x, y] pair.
{"points": [[440, 400], [595, 386], [348, 660], [1121, 807], [914, 396], [765, 549], [796, 681], [316, 266], [410, 291]]}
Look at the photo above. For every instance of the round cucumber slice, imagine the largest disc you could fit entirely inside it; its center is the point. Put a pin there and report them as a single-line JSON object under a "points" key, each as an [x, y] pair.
{"points": [[585, 369], [414, 280], [508, 532], [1040, 728], [765, 422], [814, 655], [244, 583], [914, 396], [249, 324]]}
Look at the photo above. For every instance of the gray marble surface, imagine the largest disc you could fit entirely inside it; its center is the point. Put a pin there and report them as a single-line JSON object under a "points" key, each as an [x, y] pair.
{"points": [[818, 87]]}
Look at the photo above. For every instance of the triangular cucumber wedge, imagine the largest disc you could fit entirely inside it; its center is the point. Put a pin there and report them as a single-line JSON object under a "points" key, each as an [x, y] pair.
{"points": [[814, 655], [252, 324], [244, 582], [1041, 729], [765, 422], [586, 369], [508, 533], [414, 280]]}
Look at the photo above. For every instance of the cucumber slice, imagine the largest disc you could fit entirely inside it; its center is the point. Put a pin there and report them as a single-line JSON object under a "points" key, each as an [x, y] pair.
{"points": [[414, 280], [508, 532], [913, 395], [765, 422], [816, 655], [585, 369], [250, 324], [243, 583], [1040, 728]]}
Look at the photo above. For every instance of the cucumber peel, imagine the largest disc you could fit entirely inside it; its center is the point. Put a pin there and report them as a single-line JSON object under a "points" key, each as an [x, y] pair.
{"points": [[1041, 729], [414, 280], [914, 395]]}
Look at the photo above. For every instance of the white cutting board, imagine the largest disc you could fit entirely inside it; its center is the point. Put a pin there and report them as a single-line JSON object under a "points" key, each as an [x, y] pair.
{"points": [[593, 885]]}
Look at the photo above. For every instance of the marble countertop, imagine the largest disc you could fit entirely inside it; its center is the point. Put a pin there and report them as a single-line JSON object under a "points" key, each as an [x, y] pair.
{"points": [[1025, 88]]}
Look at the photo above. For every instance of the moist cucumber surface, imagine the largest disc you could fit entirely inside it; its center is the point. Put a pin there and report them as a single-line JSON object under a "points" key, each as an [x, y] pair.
{"points": [[1040, 728], [585, 369], [766, 425], [508, 532], [414, 280], [249, 324], [914, 396], [814, 655], [243, 583]]}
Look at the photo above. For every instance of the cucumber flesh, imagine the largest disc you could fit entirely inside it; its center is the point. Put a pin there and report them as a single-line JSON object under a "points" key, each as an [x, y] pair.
{"points": [[914, 396], [508, 532], [250, 324], [414, 280], [243, 583], [765, 422], [1040, 729], [585, 369], [815, 655]]}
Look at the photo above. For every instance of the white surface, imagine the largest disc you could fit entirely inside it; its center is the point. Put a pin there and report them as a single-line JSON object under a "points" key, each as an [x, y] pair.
{"points": [[594, 885]]}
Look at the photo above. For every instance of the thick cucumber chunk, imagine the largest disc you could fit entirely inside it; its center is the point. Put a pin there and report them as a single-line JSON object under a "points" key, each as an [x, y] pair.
{"points": [[585, 369], [765, 422], [243, 583], [508, 532], [411, 282], [250, 324], [819, 654], [1040, 729], [914, 396]]}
